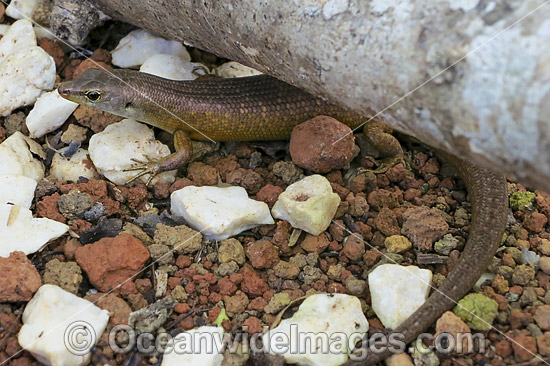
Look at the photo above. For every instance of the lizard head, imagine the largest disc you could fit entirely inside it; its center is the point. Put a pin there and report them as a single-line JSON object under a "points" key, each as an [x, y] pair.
{"points": [[107, 90]]}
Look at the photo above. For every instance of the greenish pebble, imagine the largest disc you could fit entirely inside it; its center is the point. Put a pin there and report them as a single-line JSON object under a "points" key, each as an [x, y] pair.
{"points": [[522, 200], [477, 310], [511, 297], [277, 303], [445, 245], [397, 244], [393, 258]]}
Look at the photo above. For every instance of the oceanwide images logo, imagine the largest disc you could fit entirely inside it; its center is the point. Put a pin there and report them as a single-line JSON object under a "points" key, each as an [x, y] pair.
{"points": [[80, 337]]}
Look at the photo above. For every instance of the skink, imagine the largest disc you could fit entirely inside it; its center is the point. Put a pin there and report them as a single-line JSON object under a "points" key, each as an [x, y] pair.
{"points": [[264, 108]]}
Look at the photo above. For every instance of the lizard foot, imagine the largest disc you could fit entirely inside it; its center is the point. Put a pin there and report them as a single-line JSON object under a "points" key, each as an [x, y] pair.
{"points": [[151, 167]]}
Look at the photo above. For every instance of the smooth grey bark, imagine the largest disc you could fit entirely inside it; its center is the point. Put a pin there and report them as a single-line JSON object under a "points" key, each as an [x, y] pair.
{"points": [[488, 100]]}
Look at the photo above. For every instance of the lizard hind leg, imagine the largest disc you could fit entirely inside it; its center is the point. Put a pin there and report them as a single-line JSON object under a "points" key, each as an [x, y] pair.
{"points": [[184, 150], [388, 147]]}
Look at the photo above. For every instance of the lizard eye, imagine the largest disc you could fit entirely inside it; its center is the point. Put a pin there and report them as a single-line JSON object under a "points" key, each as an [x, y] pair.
{"points": [[93, 96]]}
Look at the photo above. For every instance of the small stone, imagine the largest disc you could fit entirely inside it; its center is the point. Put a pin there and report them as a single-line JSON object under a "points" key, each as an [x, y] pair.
{"points": [[477, 310], [308, 204], [397, 244], [322, 144], [315, 243], [72, 168], [170, 67], [74, 204], [355, 286], [19, 279], [354, 247], [219, 212], [522, 201], [26, 70], [397, 291], [21, 232], [66, 275], [49, 113], [321, 314], [446, 245], [386, 222], [112, 261], [286, 270], [542, 317], [138, 45], [231, 250], [287, 171], [139, 143], [535, 221], [202, 174], [252, 284], [423, 226], [204, 356], [544, 264], [543, 344], [524, 346], [277, 303], [236, 304], [179, 239], [51, 312], [523, 274], [455, 327], [269, 194], [262, 254]]}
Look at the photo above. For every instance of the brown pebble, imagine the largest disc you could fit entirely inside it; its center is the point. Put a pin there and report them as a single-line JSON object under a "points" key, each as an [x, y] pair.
{"points": [[19, 279]]}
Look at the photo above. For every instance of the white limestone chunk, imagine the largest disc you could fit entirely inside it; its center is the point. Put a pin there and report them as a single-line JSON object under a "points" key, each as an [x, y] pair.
{"points": [[308, 204], [219, 213], [334, 321], [16, 158], [49, 113], [70, 169], [19, 37], [21, 9], [17, 190], [398, 291], [199, 346], [60, 328], [139, 44], [169, 67], [113, 149], [20, 231], [234, 69], [25, 69]]}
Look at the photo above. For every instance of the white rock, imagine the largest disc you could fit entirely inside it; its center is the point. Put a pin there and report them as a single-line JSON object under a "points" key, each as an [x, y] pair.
{"points": [[49, 113], [20, 231], [320, 318], [169, 67], [70, 169], [17, 190], [56, 322], [199, 346], [113, 149], [21, 9], [397, 291], [219, 213], [308, 204], [234, 69], [16, 158], [139, 44], [19, 37], [25, 69]]}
